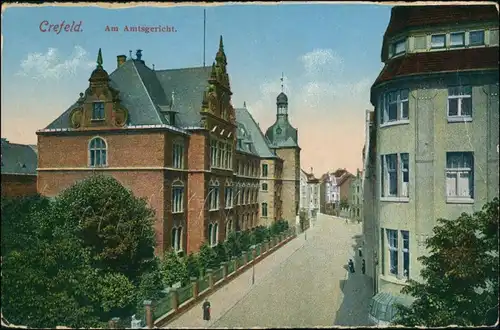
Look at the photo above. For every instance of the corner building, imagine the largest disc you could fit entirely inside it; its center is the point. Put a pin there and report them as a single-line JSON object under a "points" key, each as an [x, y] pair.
{"points": [[173, 138], [435, 137]]}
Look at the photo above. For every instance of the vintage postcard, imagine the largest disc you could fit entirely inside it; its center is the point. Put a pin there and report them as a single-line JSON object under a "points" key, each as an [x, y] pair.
{"points": [[253, 165]]}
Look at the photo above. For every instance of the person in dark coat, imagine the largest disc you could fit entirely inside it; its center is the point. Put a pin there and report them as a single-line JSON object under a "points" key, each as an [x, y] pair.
{"points": [[206, 310], [363, 266], [351, 266]]}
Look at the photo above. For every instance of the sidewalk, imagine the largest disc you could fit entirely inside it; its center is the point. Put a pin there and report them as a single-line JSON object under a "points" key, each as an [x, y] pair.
{"points": [[224, 299]]}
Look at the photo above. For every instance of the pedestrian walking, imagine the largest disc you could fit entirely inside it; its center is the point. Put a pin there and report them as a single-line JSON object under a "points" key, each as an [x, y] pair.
{"points": [[351, 266], [206, 310], [363, 266]]}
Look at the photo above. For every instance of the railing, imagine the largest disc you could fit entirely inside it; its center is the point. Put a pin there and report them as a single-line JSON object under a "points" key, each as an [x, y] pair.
{"points": [[160, 307], [230, 267], [241, 262], [250, 256], [257, 251], [185, 293], [218, 275], [203, 284]]}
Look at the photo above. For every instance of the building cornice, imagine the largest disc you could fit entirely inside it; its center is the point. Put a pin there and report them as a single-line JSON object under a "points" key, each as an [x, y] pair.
{"points": [[126, 129]]}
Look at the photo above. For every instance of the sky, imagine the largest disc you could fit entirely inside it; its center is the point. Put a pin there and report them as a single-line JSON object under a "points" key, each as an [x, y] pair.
{"points": [[328, 53]]}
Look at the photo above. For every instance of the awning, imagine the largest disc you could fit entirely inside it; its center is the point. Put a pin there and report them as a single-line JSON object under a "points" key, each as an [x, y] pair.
{"points": [[383, 306]]}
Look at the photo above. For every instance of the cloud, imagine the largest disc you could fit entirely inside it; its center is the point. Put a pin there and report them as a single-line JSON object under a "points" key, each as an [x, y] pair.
{"points": [[51, 66], [327, 105]]}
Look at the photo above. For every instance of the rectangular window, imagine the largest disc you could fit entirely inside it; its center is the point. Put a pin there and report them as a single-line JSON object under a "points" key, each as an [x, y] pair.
{"points": [[391, 174], [494, 37], [98, 111], [220, 147], [460, 102], [460, 175], [213, 198], [438, 41], [382, 250], [405, 173], [457, 39], [400, 47], [264, 209], [228, 196], [242, 196], [392, 242], [420, 42], [177, 199], [395, 106], [476, 38], [224, 155], [264, 170], [247, 197], [213, 153], [406, 253], [237, 196], [178, 155]]}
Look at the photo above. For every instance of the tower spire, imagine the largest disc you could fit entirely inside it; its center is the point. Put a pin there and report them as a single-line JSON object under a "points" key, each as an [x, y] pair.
{"points": [[99, 59]]}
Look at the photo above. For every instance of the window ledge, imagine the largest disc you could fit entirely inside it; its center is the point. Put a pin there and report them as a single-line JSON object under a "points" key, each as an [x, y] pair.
{"points": [[395, 123], [213, 210], [459, 200], [395, 199], [229, 207], [394, 279], [178, 212], [461, 119], [97, 120]]}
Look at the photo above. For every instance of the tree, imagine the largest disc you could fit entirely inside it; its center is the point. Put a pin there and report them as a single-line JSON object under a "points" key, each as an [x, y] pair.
{"points": [[221, 253], [192, 265], [344, 204], [207, 258], [460, 274], [112, 222], [174, 269], [233, 245]]}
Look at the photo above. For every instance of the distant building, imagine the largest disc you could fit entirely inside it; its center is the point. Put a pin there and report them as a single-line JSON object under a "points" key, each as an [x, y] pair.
{"points": [[310, 195], [356, 197], [432, 146], [19, 163]]}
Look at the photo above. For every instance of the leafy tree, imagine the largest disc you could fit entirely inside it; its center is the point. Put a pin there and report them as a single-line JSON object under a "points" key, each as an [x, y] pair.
{"points": [[117, 295], [221, 253], [112, 222], [245, 240], [207, 258], [150, 286], [460, 275], [173, 269], [192, 265], [260, 234], [233, 245]]}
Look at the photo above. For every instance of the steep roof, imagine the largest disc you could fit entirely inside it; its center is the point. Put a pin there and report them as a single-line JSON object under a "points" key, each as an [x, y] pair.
{"points": [[145, 93], [282, 133], [310, 177], [18, 159], [252, 133]]}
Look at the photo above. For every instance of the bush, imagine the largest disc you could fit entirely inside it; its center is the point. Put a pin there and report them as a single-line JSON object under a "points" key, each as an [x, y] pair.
{"points": [[192, 265], [173, 269]]}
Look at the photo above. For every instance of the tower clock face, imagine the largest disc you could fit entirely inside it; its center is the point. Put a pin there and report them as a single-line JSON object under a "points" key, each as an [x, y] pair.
{"points": [[278, 130]]}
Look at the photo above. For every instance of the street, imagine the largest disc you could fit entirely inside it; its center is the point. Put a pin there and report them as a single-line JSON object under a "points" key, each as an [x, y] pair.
{"points": [[303, 284]]}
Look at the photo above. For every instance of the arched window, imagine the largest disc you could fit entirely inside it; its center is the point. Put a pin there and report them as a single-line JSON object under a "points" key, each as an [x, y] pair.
{"points": [[214, 234], [176, 240], [177, 197], [179, 239], [229, 227], [98, 152], [264, 209], [264, 186]]}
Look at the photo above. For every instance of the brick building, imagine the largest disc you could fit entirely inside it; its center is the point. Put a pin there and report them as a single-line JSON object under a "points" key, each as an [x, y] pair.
{"points": [[19, 163], [173, 137]]}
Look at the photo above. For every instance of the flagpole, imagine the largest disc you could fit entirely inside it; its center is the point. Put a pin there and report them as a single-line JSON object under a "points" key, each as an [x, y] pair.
{"points": [[204, 32]]}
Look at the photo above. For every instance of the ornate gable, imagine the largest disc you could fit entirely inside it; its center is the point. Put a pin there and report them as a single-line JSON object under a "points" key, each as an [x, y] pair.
{"points": [[99, 106]]}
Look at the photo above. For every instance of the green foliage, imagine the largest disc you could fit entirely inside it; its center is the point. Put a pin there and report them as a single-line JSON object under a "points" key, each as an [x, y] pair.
{"points": [[260, 234], [115, 225], [344, 203], [192, 265], [207, 258], [245, 240], [233, 245], [116, 295], [221, 253], [174, 270], [460, 274]]}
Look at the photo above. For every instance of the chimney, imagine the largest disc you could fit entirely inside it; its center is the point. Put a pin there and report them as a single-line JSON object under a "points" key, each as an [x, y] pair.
{"points": [[120, 60]]}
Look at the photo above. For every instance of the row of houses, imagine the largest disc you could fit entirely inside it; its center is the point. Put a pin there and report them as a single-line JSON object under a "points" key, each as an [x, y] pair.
{"points": [[431, 147], [173, 137]]}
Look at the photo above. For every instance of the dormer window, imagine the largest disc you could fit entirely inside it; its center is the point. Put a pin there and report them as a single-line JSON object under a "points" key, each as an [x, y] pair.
{"points": [[171, 118], [98, 111], [399, 47], [438, 41], [457, 39], [476, 38]]}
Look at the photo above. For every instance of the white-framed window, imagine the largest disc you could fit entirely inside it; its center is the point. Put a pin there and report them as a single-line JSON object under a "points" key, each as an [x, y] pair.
{"points": [[213, 197], [399, 47], [224, 163], [392, 242], [237, 196], [98, 111], [220, 147], [247, 196], [457, 39], [176, 240], [395, 175], [395, 106], [420, 42], [382, 251], [264, 170], [229, 227], [460, 102], [438, 41], [213, 234], [178, 155], [476, 38], [177, 197], [228, 197], [213, 153], [242, 197], [405, 235], [460, 175], [264, 186], [494, 37], [264, 209], [98, 151]]}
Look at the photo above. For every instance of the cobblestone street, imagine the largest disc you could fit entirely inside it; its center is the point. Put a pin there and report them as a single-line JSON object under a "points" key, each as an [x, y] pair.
{"points": [[303, 284]]}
